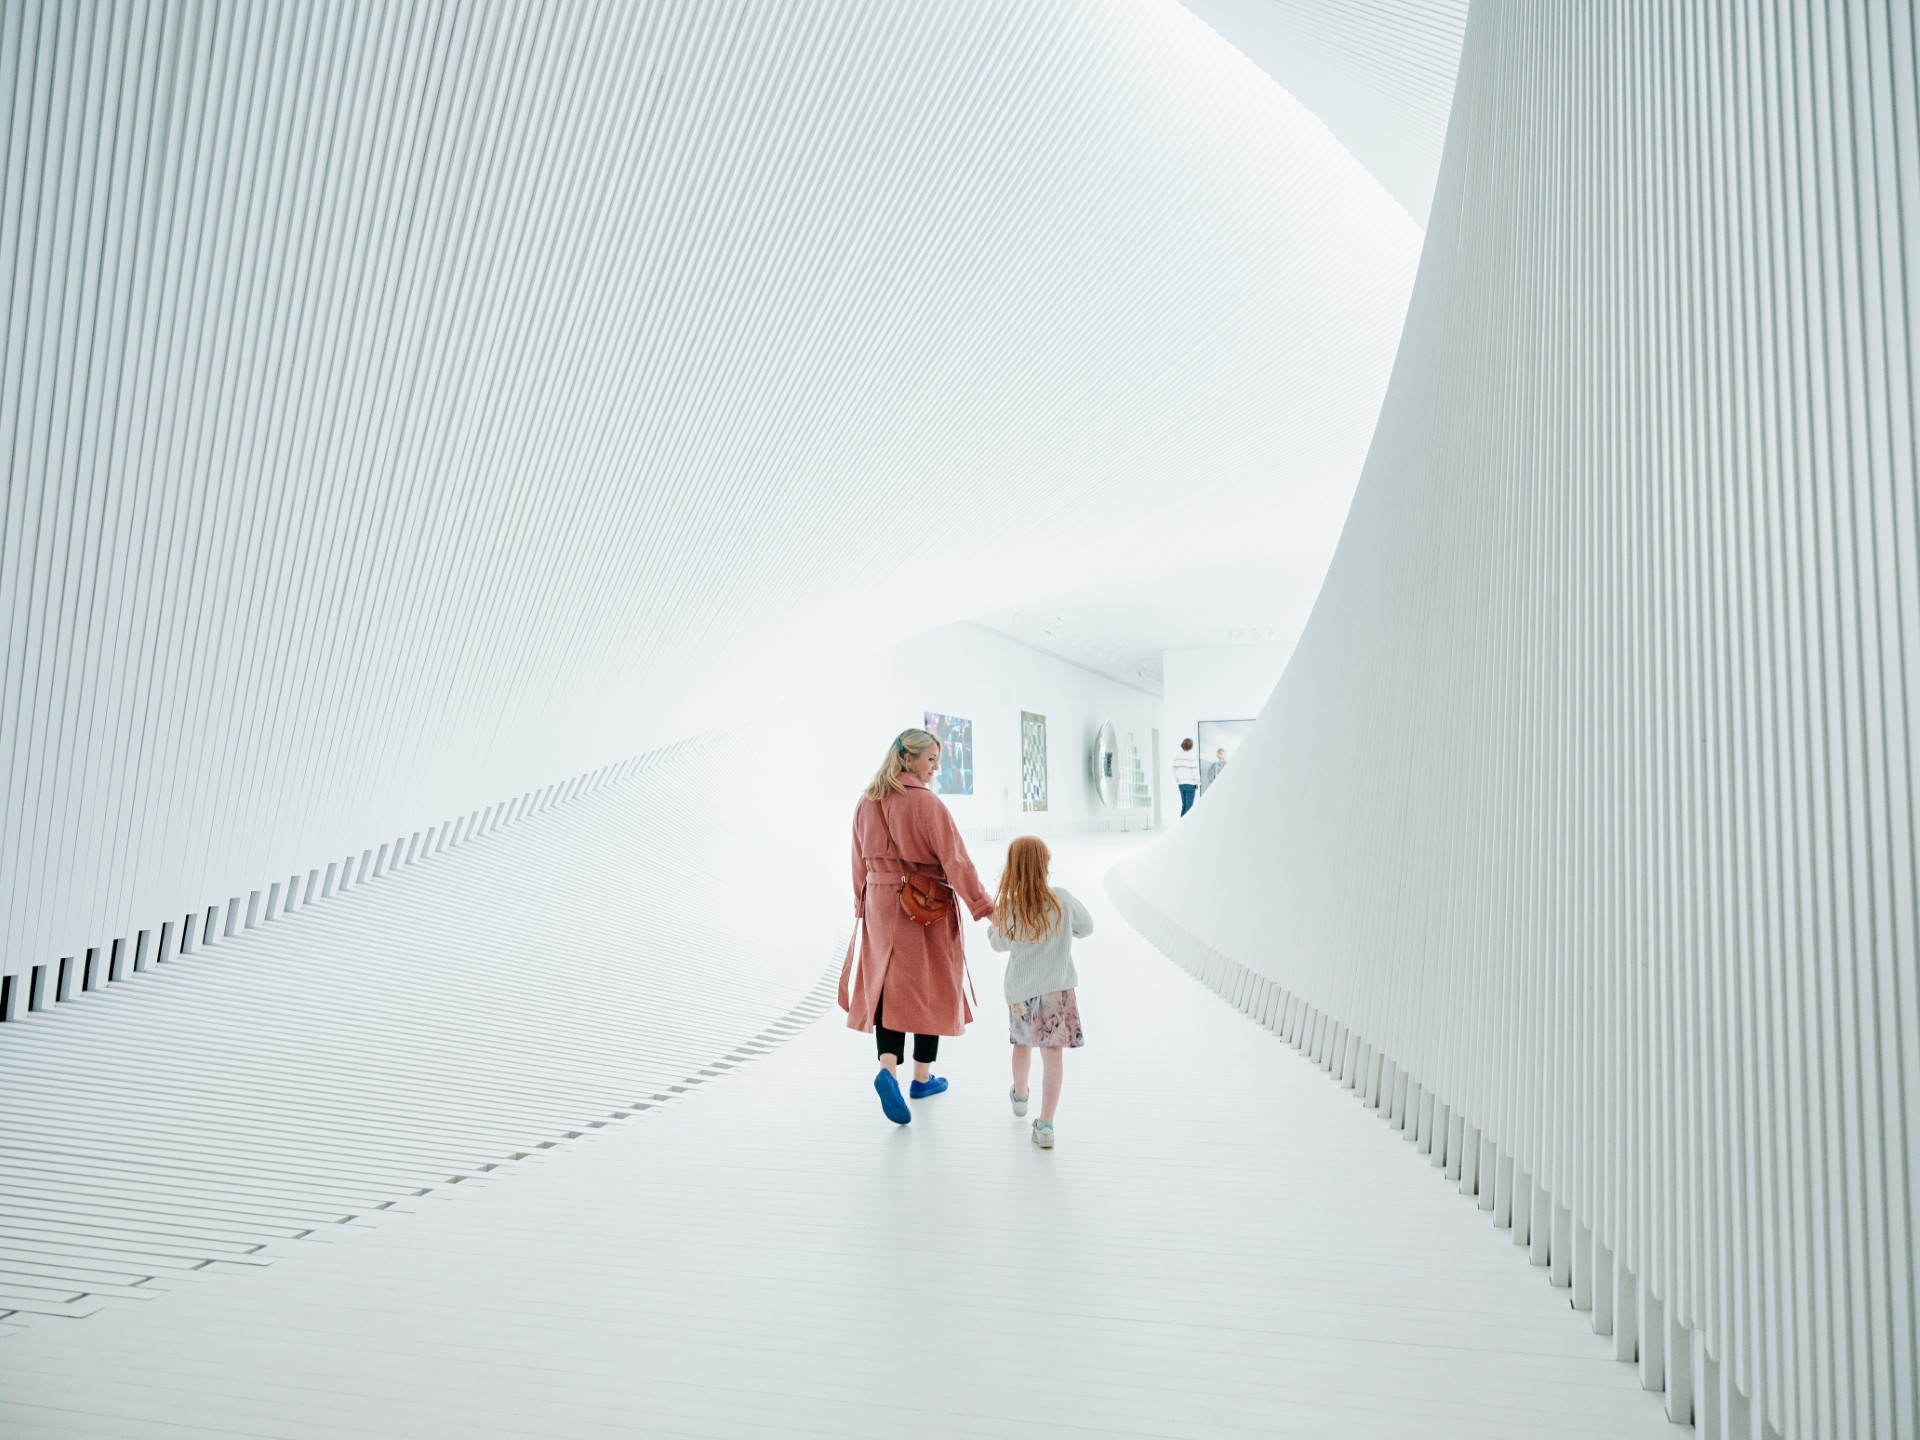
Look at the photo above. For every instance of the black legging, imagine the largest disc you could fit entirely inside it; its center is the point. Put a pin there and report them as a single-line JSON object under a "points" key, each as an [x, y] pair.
{"points": [[926, 1048]]}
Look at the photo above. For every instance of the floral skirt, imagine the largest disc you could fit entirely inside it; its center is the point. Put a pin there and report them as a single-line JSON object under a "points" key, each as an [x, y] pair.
{"points": [[1051, 1020]]}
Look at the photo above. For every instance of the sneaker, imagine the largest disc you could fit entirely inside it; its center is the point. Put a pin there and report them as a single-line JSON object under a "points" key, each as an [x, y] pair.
{"points": [[890, 1100], [932, 1085], [1043, 1134], [1019, 1102]]}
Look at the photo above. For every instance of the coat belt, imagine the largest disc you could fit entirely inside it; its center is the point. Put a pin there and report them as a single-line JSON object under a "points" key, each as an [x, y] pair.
{"points": [[896, 876]]}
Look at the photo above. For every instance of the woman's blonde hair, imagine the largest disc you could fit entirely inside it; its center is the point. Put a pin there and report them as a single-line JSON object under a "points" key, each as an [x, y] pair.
{"points": [[1025, 908], [906, 745]]}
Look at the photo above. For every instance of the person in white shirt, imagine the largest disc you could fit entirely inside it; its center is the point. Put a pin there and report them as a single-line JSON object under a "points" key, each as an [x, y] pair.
{"points": [[1186, 774], [1036, 925]]}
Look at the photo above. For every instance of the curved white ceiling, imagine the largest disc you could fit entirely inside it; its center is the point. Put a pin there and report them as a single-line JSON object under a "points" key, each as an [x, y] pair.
{"points": [[1380, 73], [407, 407]]}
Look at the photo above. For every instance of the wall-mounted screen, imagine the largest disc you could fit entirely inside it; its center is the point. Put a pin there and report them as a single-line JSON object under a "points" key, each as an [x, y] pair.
{"points": [[1106, 765]]}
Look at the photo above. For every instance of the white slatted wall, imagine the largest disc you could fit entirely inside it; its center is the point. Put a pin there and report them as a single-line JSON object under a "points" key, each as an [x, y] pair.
{"points": [[404, 407], [1579, 836]]}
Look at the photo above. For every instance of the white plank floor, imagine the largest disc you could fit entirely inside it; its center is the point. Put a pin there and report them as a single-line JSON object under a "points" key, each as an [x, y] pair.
{"points": [[1224, 1243], [244, 1103]]}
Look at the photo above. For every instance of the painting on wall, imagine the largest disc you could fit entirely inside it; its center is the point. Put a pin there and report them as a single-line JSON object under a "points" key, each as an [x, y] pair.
{"points": [[1033, 761], [1218, 740], [955, 775]]}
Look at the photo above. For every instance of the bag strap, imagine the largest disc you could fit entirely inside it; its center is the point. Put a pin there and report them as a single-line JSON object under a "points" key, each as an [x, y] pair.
{"points": [[966, 969], [886, 821]]}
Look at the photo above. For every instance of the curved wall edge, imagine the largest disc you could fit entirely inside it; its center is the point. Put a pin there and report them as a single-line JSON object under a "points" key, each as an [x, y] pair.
{"points": [[577, 966], [1378, 73], [40, 986]]}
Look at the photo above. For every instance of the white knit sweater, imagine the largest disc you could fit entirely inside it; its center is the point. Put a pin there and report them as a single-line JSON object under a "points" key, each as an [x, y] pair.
{"points": [[1036, 967]]}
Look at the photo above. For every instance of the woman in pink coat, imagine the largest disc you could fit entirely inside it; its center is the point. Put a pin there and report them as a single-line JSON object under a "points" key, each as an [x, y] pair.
{"points": [[910, 975]]}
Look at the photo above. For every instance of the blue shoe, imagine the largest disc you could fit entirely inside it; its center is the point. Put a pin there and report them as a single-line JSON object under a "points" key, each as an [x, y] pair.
{"points": [[933, 1086], [890, 1100]]}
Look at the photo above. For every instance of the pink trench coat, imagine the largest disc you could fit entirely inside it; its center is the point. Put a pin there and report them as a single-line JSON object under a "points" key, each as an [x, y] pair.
{"points": [[920, 967]]}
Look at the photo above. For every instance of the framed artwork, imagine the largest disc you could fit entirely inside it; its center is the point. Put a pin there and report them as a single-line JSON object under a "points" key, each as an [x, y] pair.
{"points": [[955, 775], [1218, 740], [1033, 761]]}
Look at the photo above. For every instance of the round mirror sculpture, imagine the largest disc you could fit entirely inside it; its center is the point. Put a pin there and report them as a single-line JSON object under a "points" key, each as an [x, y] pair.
{"points": [[1106, 765]]}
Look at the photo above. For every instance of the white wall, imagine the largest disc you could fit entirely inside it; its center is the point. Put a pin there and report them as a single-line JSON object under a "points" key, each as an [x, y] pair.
{"points": [[1583, 821], [447, 421], [1215, 682], [768, 793], [989, 679]]}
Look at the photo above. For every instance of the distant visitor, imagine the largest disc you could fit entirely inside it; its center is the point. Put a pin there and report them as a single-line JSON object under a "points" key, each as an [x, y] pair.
{"points": [[1186, 774]]}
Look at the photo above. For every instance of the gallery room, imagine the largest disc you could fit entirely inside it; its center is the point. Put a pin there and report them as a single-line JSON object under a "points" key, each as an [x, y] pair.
{"points": [[1104, 718]]}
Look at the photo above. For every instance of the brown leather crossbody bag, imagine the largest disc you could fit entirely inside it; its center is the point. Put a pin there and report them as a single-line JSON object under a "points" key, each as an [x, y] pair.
{"points": [[925, 898]]}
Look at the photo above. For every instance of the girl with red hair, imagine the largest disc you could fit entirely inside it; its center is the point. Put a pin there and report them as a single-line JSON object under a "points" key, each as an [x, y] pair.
{"points": [[1035, 924]]}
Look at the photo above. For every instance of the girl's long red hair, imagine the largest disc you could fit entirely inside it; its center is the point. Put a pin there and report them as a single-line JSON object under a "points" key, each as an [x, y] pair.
{"points": [[1025, 909]]}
